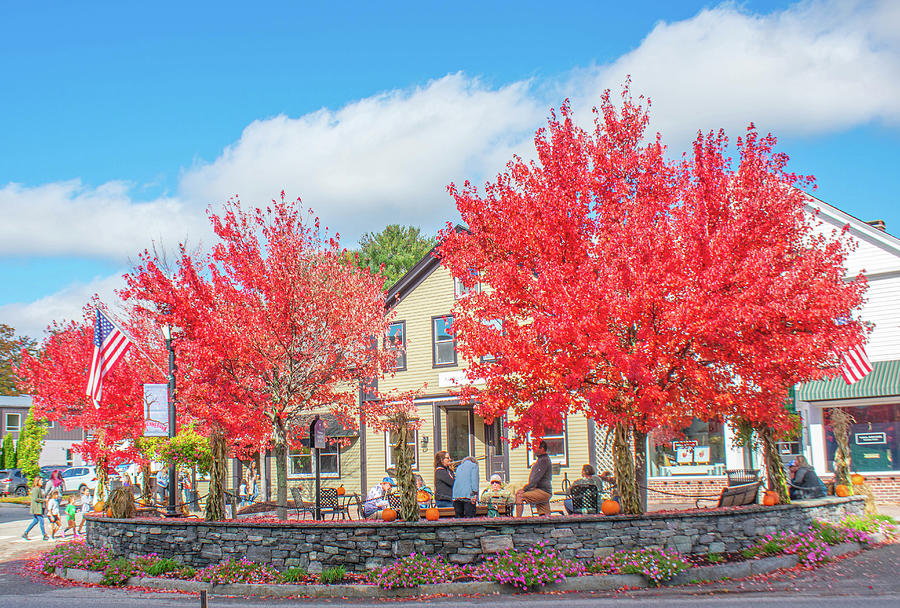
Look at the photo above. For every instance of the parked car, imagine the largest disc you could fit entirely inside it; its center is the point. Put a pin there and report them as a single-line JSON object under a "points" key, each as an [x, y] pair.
{"points": [[76, 478], [12, 481]]}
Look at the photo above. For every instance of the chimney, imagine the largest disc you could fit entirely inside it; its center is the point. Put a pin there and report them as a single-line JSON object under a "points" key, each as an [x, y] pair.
{"points": [[878, 224]]}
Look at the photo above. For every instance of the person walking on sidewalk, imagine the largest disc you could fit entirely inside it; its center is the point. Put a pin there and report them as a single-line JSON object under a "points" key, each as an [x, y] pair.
{"points": [[37, 508]]}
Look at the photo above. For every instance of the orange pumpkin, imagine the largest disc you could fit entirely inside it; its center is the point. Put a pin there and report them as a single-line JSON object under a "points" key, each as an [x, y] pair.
{"points": [[389, 514], [432, 514], [99, 506], [109, 512], [610, 507], [770, 498], [422, 496], [857, 479], [341, 491], [842, 491]]}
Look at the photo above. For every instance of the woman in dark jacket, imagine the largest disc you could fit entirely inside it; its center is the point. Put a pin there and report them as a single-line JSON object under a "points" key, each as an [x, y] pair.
{"points": [[443, 480]]}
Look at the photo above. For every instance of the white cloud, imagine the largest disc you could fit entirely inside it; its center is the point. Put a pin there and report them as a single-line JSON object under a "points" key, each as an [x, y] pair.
{"points": [[68, 218], [383, 159], [815, 68], [32, 318]]}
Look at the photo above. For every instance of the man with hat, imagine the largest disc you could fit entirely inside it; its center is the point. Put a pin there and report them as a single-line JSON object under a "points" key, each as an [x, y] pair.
{"points": [[496, 497], [376, 499]]}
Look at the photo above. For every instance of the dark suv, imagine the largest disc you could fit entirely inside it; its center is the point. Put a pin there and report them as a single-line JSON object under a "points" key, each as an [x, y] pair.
{"points": [[12, 481]]}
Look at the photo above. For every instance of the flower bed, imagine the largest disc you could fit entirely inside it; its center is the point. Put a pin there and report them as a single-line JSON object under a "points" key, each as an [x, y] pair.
{"points": [[526, 570]]}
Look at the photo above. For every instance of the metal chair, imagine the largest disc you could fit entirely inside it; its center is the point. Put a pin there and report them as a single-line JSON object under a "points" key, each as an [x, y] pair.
{"points": [[301, 505], [740, 477], [585, 499], [330, 503]]}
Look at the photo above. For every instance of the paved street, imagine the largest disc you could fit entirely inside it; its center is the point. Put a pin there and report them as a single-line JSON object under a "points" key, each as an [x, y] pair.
{"points": [[869, 579]]}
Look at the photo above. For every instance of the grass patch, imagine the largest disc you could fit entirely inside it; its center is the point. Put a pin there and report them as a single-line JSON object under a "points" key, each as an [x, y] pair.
{"points": [[293, 575], [16, 500], [332, 575]]}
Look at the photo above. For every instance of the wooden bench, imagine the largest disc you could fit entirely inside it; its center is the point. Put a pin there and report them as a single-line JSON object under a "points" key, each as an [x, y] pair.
{"points": [[735, 496]]}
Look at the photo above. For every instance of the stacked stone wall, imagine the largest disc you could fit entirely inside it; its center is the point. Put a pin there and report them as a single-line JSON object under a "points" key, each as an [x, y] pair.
{"points": [[365, 545]]}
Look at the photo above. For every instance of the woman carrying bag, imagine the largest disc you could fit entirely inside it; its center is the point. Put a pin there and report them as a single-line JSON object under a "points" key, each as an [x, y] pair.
{"points": [[37, 508]]}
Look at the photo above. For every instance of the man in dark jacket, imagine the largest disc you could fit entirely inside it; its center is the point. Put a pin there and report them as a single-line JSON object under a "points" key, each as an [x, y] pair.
{"points": [[540, 483]]}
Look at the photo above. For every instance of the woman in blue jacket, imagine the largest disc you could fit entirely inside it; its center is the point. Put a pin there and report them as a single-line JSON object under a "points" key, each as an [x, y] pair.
{"points": [[465, 488]]}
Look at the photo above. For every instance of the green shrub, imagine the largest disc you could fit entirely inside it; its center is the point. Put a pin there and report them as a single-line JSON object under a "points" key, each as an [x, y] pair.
{"points": [[161, 566], [186, 572], [293, 575], [714, 558], [330, 576]]}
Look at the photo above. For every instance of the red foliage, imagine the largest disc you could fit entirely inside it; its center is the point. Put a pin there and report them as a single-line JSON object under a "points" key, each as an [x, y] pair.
{"points": [[633, 288]]}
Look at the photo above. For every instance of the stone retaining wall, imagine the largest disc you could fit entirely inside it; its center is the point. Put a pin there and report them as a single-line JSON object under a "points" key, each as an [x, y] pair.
{"points": [[364, 545]]}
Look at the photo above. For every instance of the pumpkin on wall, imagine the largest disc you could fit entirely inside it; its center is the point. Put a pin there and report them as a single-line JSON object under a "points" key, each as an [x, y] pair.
{"points": [[770, 498], [842, 491], [389, 514], [432, 514], [857, 479], [610, 507]]}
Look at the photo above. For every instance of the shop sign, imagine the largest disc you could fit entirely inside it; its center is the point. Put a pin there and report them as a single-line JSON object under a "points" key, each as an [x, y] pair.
{"points": [[684, 444], [871, 438]]}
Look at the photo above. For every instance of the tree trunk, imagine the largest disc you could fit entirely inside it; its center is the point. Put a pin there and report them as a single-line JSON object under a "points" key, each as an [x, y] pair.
{"points": [[102, 478], [640, 467], [146, 492], [626, 483], [840, 424], [215, 500], [406, 484], [776, 478], [280, 449]]}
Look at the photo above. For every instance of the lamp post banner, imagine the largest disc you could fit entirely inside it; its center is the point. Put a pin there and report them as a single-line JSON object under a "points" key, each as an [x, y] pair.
{"points": [[156, 410]]}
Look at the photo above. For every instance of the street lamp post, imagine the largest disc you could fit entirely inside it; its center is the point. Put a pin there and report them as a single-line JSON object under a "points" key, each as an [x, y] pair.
{"points": [[167, 333]]}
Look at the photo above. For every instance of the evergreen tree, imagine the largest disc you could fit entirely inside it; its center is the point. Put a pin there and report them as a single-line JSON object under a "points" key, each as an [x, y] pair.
{"points": [[8, 460], [397, 247], [31, 443], [10, 356]]}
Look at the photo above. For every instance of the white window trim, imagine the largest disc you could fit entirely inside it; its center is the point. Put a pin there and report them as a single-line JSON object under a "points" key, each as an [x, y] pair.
{"points": [[458, 288], [312, 474], [561, 461], [17, 427], [389, 450], [395, 367]]}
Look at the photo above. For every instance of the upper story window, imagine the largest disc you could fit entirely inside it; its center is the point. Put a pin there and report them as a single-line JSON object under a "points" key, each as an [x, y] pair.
{"points": [[443, 341], [396, 341], [13, 422], [497, 325], [462, 291]]}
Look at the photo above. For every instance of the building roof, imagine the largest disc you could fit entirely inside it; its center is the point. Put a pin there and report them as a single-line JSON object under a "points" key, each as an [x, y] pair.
{"points": [[15, 401]]}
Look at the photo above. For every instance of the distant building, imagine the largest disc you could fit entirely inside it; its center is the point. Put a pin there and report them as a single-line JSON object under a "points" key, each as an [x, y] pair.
{"points": [[58, 441]]}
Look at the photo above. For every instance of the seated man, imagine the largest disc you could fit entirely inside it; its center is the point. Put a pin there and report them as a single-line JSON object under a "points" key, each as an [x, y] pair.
{"points": [[539, 488], [376, 499], [496, 497]]}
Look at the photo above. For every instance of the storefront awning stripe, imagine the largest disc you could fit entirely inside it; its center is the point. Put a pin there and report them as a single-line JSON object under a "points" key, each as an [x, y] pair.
{"points": [[883, 381]]}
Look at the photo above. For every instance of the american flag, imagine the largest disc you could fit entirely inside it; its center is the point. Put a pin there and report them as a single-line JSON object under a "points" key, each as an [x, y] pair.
{"points": [[109, 346], [855, 364]]}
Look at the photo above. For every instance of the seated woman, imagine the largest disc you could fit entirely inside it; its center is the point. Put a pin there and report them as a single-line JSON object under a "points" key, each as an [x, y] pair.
{"points": [[376, 499], [588, 478], [804, 481], [497, 498]]}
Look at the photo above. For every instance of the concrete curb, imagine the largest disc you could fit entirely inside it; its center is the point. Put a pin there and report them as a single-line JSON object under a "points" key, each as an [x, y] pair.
{"points": [[595, 582]]}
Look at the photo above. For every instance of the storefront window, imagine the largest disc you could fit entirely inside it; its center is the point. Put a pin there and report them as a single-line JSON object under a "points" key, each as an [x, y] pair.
{"points": [[696, 450], [874, 440]]}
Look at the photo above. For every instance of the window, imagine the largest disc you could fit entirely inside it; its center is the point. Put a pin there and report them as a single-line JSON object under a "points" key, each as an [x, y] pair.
{"points": [[443, 341], [696, 450], [300, 461], [13, 422], [496, 325], [396, 340], [461, 291], [459, 433], [874, 438], [390, 449], [556, 447]]}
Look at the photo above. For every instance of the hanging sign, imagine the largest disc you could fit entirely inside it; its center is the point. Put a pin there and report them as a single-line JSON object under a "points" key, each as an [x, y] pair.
{"points": [[317, 434], [156, 410]]}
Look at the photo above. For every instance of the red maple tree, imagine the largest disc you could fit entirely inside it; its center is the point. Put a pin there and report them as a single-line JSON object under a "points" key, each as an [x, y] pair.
{"points": [[643, 292], [274, 323]]}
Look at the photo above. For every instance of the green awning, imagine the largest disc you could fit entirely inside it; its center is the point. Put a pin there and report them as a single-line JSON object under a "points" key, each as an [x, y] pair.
{"points": [[883, 381]]}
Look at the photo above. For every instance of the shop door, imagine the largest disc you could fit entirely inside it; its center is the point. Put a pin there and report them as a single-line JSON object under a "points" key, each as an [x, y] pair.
{"points": [[496, 448]]}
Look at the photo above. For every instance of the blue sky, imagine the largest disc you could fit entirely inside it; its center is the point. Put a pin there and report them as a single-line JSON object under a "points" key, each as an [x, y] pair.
{"points": [[122, 122]]}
